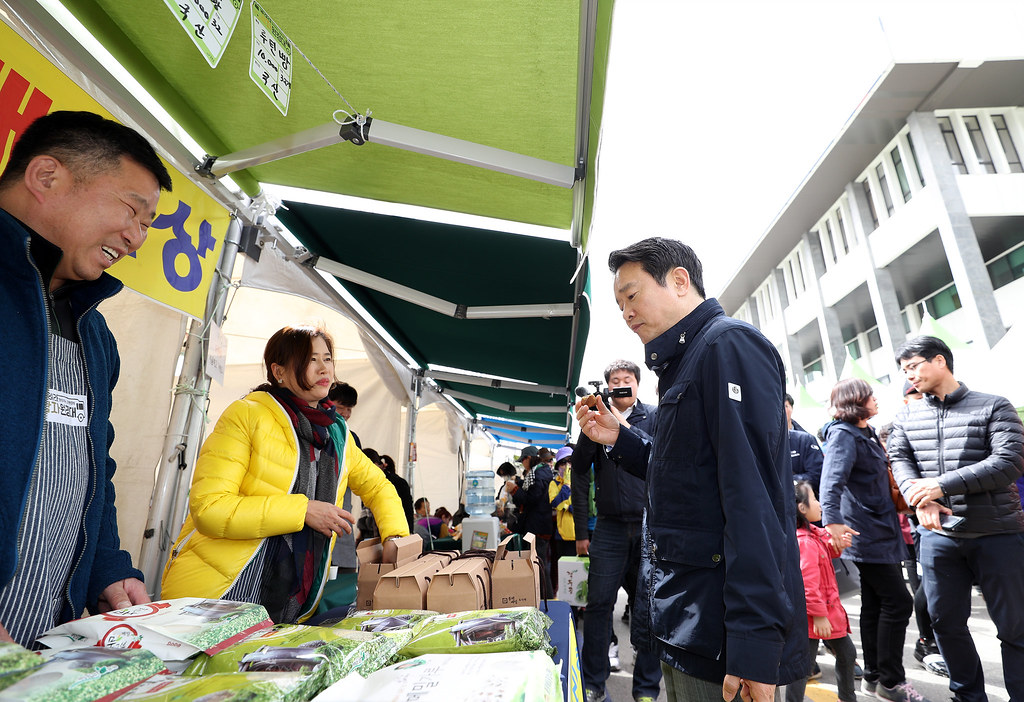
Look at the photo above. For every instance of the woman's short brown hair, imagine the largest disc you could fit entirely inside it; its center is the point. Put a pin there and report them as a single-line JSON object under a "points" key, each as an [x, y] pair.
{"points": [[292, 348], [848, 399]]}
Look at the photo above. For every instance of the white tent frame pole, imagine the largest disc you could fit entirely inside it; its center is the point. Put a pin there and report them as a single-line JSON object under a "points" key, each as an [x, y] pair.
{"points": [[493, 382], [437, 304], [389, 134], [413, 415], [183, 429]]}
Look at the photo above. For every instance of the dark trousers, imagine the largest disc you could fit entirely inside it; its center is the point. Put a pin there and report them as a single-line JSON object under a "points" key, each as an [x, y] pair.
{"points": [[886, 606], [543, 544], [845, 653], [614, 549], [950, 567]]}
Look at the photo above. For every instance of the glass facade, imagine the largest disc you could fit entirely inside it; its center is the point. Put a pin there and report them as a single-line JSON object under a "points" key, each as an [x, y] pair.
{"points": [[956, 157]]}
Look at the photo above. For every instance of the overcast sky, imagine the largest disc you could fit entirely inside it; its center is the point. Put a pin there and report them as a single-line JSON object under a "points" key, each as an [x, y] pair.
{"points": [[715, 112]]}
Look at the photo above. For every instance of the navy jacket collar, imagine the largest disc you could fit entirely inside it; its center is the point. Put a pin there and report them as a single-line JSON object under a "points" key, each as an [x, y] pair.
{"points": [[674, 342]]}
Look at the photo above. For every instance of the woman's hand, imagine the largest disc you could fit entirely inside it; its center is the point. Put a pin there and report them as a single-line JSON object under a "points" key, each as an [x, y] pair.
{"points": [[328, 518], [822, 627]]}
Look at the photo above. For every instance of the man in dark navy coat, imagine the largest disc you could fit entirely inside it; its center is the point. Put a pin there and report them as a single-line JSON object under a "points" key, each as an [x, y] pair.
{"points": [[721, 569]]}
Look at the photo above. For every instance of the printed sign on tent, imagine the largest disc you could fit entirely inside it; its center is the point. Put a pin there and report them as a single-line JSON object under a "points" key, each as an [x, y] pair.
{"points": [[208, 23], [271, 64], [178, 261]]}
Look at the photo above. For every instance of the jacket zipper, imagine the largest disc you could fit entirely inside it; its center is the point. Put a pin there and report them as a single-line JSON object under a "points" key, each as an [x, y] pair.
{"points": [[92, 453], [941, 422], [46, 385]]}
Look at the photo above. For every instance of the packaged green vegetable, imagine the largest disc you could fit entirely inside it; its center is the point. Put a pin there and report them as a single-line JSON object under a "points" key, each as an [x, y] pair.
{"points": [[220, 687], [383, 619], [481, 631], [523, 676], [15, 663], [81, 674], [323, 655]]}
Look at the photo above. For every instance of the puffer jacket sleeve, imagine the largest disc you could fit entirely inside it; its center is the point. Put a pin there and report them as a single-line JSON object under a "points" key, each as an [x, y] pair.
{"points": [[1004, 463], [901, 453], [369, 482], [218, 504]]}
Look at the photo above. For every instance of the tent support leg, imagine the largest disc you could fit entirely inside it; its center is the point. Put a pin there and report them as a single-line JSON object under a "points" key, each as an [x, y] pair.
{"points": [[410, 444], [187, 412]]}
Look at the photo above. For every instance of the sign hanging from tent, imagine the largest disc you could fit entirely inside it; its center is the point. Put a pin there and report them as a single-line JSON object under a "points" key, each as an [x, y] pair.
{"points": [[208, 23], [271, 64], [178, 261]]}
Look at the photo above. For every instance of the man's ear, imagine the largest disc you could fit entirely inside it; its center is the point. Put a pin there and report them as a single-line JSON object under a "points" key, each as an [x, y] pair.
{"points": [[679, 278], [43, 175]]}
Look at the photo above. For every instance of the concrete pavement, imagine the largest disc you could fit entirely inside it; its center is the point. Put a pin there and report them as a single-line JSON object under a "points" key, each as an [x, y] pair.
{"points": [[935, 688]]}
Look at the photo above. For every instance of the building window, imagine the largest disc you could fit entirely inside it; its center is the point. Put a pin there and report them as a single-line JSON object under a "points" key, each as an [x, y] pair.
{"points": [[917, 164], [956, 157], [906, 322], [978, 142], [874, 338], [1007, 268], [901, 174], [827, 247], [798, 273], [1006, 141], [832, 241], [814, 370], [847, 240], [871, 203], [853, 348], [941, 303], [883, 185]]}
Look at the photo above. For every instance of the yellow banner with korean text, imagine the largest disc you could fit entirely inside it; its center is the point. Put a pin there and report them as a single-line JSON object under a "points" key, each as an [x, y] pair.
{"points": [[177, 263]]}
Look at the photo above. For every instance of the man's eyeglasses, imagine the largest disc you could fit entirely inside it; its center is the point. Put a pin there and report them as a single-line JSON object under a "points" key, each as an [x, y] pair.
{"points": [[911, 367]]}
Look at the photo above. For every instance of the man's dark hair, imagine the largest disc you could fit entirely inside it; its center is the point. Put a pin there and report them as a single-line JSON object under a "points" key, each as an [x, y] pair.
{"points": [[342, 393], [927, 347], [372, 455], [389, 463], [86, 143], [622, 364], [658, 257], [789, 398], [420, 502]]}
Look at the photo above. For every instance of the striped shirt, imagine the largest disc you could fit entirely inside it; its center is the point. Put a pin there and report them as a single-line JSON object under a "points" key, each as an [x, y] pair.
{"points": [[48, 538]]}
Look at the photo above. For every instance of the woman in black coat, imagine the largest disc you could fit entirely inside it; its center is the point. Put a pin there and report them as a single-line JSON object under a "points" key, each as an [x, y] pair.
{"points": [[855, 500]]}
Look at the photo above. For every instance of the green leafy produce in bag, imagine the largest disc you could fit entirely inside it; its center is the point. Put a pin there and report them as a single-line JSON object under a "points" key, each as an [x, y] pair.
{"points": [[222, 687], [15, 663], [481, 631], [323, 655], [383, 619], [82, 674]]}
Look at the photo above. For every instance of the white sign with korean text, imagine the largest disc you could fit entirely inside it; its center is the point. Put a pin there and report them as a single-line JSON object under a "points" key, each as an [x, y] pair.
{"points": [[271, 64], [209, 23]]}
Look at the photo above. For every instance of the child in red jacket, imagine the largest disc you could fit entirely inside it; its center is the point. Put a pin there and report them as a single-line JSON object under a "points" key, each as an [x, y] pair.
{"points": [[826, 618]]}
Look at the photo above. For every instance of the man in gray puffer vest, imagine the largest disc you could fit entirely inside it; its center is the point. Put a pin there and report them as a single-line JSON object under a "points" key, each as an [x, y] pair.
{"points": [[956, 455]]}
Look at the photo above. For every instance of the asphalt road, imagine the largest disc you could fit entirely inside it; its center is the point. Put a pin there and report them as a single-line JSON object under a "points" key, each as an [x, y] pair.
{"points": [[935, 688]]}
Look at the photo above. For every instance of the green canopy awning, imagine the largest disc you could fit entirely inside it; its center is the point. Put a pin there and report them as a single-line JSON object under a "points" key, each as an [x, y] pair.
{"points": [[472, 268], [511, 75]]}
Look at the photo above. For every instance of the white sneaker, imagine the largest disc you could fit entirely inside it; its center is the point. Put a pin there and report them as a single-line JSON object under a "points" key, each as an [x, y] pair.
{"points": [[613, 656]]}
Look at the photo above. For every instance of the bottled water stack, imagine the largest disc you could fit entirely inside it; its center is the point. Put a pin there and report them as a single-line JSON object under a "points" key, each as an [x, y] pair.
{"points": [[480, 493]]}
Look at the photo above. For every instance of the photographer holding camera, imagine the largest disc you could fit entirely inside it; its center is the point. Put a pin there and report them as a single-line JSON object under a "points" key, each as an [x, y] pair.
{"points": [[614, 546]]}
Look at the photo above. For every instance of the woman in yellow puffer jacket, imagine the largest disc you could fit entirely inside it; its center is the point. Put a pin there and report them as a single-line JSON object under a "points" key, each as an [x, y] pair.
{"points": [[265, 504]]}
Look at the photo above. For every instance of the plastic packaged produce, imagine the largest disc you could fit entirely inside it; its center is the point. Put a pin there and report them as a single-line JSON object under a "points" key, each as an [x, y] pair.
{"points": [[323, 655], [481, 631], [377, 620], [15, 663], [222, 687], [174, 630], [525, 676], [82, 674]]}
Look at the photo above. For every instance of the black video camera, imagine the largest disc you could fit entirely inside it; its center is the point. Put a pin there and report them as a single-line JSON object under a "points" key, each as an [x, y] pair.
{"points": [[596, 387]]}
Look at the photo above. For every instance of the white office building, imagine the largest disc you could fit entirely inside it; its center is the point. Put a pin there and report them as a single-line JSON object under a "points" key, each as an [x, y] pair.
{"points": [[916, 207]]}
